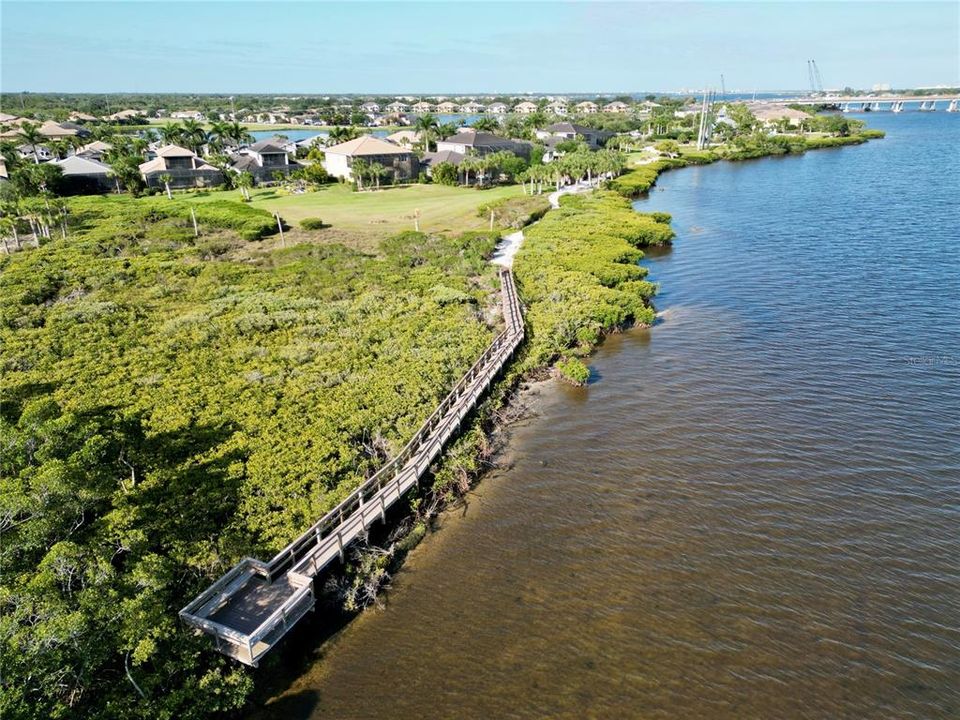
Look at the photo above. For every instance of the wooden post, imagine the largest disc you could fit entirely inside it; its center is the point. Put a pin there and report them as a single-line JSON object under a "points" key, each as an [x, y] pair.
{"points": [[280, 228], [491, 219], [416, 220], [193, 216]]}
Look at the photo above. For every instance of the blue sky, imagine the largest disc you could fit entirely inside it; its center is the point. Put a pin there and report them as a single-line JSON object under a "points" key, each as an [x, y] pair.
{"points": [[406, 47]]}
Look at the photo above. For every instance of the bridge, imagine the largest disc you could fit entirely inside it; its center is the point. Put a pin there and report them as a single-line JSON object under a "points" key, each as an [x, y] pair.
{"points": [[250, 608], [893, 103]]}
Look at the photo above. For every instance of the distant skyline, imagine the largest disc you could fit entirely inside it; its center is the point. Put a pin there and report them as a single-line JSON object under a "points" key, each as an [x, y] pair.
{"points": [[493, 47]]}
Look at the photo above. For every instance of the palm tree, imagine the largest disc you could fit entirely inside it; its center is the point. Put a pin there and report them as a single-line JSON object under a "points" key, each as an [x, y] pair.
{"points": [[377, 171], [172, 133], [342, 133], [31, 135], [426, 125], [219, 135], [487, 124], [238, 134], [245, 182], [359, 168], [166, 179], [194, 135]]}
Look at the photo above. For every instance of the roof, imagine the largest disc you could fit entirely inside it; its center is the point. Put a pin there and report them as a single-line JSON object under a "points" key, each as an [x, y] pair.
{"points": [[475, 138], [434, 158], [401, 136], [244, 162], [174, 151], [78, 165], [366, 145], [6, 118], [267, 147], [54, 130], [97, 146], [568, 127], [775, 112]]}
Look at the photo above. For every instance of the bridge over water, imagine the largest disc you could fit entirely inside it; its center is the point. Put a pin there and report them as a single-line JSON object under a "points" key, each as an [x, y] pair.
{"points": [[894, 103], [255, 603]]}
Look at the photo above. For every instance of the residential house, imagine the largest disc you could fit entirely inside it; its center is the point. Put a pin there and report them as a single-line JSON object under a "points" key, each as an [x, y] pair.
{"points": [[339, 159], [34, 153], [422, 107], [469, 141], [497, 108], [370, 108], [570, 131], [398, 107], [79, 117], [125, 115], [616, 107], [59, 131], [84, 175], [184, 166], [447, 107], [188, 115], [472, 108], [263, 159], [769, 115], [586, 107], [7, 119], [404, 138], [95, 150], [558, 108], [525, 108], [431, 159]]}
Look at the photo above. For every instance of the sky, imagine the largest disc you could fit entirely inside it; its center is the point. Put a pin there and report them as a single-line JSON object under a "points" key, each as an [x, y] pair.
{"points": [[465, 47]]}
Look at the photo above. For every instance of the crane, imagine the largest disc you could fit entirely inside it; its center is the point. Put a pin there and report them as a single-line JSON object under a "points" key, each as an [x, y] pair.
{"points": [[816, 75]]}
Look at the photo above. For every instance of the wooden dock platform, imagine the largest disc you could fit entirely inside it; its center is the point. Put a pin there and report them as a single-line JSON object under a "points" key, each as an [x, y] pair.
{"points": [[255, 603]]}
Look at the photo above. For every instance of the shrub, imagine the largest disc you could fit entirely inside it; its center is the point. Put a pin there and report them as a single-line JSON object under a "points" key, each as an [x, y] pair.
{"points": [[445, 173], [312, 223], [574, 371], [515, 212]]}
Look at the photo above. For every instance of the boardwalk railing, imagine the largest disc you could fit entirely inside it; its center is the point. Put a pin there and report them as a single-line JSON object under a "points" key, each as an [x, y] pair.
{"points": [[254, 604]]}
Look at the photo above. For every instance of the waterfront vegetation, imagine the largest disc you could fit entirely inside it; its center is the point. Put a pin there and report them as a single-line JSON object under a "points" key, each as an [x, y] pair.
{"points": [[174, 402]]}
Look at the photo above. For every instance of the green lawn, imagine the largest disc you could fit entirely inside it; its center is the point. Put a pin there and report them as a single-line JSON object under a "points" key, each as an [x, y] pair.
{"points": [[383, 212]]}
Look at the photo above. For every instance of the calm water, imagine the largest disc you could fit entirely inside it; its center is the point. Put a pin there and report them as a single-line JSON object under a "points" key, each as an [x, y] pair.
{"points": [[754, 509]]}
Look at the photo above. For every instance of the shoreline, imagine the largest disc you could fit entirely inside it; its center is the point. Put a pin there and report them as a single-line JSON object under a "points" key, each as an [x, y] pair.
{"points": [[478, 451]]}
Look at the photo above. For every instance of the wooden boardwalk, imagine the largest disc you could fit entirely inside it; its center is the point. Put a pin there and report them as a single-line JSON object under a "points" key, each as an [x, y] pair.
{"points": [[255, 603]]}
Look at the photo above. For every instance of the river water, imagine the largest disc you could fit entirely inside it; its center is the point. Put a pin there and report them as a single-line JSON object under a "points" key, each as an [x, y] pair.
{"points": [[752, 511]]}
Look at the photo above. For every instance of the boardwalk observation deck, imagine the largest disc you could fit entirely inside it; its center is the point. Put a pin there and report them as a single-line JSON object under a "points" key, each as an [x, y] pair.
{"points": [[255, 603]]}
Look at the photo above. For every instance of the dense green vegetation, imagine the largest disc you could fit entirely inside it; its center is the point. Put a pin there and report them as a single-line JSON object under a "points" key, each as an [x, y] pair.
{"points": [[515, 212], [743, 147], [577, 271], [168, 409]]}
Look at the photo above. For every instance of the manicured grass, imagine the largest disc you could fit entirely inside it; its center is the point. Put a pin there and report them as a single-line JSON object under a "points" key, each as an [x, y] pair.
{"points": [[382, 212]]}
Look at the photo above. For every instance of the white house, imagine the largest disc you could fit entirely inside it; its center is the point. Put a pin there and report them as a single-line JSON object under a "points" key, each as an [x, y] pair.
{"points": [[586, 107], [422, 107], [370, 108], [472, 108], [497, 108], [447, 107], [398, 107], [525, 108], [187, 115], [338, 159], [558, 108], [616, 107]]}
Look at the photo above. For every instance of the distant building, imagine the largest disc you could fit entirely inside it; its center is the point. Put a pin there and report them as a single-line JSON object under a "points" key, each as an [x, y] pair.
{"points": [[34, 153], [447, 107], [482, 143], [184, 166], [398, 107], [472, 108], [422, 107], [339, 159], [525, 108], [497, 108], [558, 108], [570, 131], [371, 108], [616, 107], [95, 150], [125, 115], [404, 138], [770, 114], [586, 107], [263, 159], [188, 115], [84, 175]]}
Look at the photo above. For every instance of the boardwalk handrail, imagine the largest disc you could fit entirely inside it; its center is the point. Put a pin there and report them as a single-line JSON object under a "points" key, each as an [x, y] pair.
{"points": [[302, 559], [320, 529]]}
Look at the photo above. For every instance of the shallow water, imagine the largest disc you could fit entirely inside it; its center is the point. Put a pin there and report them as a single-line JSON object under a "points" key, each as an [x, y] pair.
{"points": [[753, 510]]}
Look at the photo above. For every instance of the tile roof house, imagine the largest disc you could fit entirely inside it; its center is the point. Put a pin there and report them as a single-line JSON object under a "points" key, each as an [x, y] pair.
{"points": [[616, 107], [338, 159], [586, 107], [404, 138], [482, 143], [497, 108], [398, 107], [84, 175], [472, 108], [185, 167], [95, 150], [558, 108], [769, 114], [58, 131], [447, 107], [570, 131], [422, 107], [263, 159], [370, 108], [525, 108]]}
